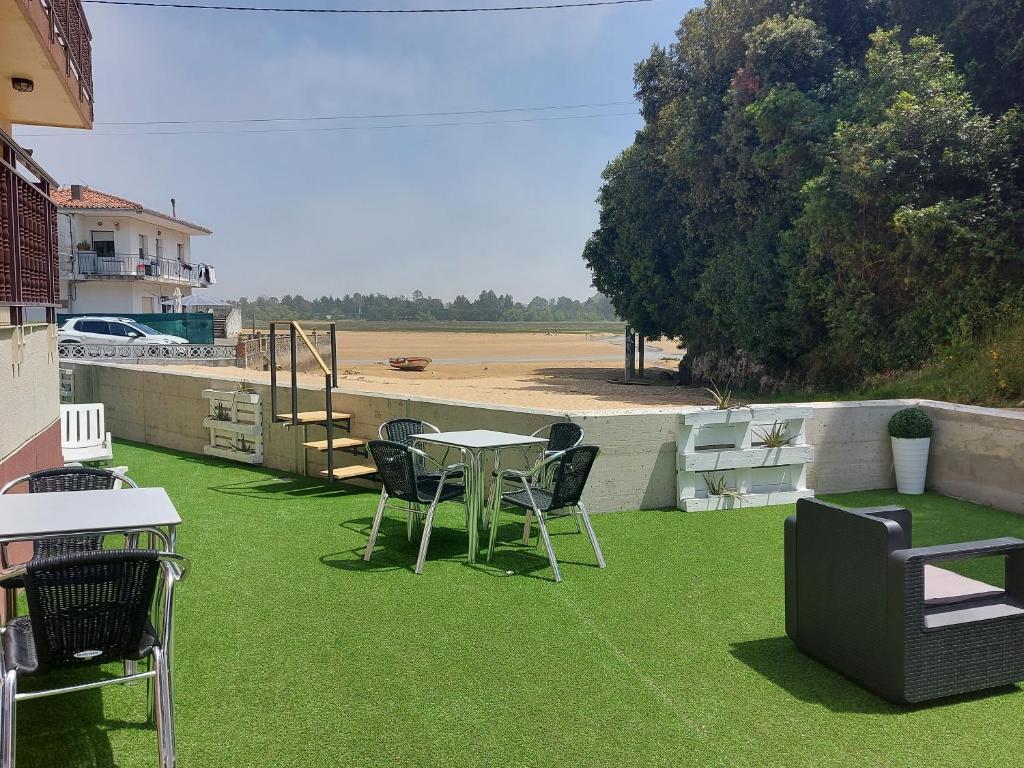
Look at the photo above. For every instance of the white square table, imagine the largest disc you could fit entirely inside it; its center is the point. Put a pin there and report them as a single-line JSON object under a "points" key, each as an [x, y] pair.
{"points": [[26, 516], [473, 444]]}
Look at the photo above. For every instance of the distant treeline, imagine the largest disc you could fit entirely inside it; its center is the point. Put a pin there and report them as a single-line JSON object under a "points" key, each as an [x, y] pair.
{"points": [[488, 306]]}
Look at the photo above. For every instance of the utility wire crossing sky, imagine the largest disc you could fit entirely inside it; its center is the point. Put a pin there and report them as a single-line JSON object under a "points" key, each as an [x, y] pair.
{"points": [[258, 9]]}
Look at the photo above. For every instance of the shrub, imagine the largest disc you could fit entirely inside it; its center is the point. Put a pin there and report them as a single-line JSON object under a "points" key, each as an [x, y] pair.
{"points": [[910, 423]]}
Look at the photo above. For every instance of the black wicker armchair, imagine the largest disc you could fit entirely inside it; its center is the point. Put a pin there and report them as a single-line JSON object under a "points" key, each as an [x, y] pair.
{"points": [[861, 599], [86, 609], [571, 469], [398, 467]]}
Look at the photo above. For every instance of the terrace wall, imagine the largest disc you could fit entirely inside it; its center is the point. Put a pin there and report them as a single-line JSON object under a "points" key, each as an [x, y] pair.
{"points": [[637, 466], [977, 454]]}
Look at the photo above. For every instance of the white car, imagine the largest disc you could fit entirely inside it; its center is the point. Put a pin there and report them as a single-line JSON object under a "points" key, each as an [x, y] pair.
{"points": [[112, 330]]}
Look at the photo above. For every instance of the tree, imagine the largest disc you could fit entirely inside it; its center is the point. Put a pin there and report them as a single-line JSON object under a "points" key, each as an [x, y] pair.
{"points": [[803, 188]]}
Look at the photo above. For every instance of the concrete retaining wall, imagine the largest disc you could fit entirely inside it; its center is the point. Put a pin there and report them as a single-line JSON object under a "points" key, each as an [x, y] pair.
{"points": [[977, 453], [164, 407]]}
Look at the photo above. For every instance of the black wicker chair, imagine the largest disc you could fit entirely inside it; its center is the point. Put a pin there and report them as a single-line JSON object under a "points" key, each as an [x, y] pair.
{"points": [[402, 431], [61, 480], [562, 435], [571, 469], [397, 465], [861, 599], [90, 608]]}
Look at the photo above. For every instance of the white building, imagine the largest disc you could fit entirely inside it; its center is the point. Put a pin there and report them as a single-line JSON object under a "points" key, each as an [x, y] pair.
{"points": [[118, 257]]}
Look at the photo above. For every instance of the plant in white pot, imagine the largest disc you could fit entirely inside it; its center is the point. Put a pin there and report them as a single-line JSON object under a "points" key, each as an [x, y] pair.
{"points": [[911, 433]]}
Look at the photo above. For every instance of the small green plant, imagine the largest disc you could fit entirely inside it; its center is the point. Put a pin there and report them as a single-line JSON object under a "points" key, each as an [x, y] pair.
{"points": [[717, 486], [244, 387], [221, 412], [244, 446], [723, 400], [775, 436], [910, 424]]}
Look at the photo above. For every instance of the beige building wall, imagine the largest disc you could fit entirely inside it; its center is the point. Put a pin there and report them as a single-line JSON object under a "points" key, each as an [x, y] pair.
{"points": [[29, 401]]}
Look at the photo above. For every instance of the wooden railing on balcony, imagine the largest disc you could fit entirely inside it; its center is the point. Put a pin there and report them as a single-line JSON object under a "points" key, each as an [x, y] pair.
{"points": [[69, 29], [29, 275]]}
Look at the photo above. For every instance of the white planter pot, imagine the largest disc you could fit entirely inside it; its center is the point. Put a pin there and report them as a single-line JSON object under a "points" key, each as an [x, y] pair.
{"points": [[911, 459]]}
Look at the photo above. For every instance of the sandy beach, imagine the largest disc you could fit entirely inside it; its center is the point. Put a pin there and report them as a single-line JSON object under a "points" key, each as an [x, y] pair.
{"points": [[558, 370]]}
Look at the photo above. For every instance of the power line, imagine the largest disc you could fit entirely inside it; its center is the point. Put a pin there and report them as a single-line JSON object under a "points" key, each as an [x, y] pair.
{"points": [[331, 128], [248, 8], [384, 116]]}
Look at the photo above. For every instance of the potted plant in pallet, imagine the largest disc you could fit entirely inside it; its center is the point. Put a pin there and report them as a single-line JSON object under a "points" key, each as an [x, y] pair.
{"points": [[722, 496], [910, 431]]}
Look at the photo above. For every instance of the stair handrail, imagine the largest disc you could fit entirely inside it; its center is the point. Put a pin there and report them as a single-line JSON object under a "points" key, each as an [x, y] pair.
{"points": [[309, 345]]}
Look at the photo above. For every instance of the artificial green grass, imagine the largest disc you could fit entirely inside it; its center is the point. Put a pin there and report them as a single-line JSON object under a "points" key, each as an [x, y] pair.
{"points": [[292, 651]]}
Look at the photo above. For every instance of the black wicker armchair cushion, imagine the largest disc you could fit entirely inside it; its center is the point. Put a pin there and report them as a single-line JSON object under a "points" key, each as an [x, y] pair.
{"points": [[945, 587]]}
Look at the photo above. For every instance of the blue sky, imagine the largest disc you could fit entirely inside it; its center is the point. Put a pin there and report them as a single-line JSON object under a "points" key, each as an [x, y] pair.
{"points": [[442, 210]]}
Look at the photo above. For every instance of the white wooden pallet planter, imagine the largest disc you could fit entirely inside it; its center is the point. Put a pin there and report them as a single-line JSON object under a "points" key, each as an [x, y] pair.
{"points": [[728, 445], [235, 424]]}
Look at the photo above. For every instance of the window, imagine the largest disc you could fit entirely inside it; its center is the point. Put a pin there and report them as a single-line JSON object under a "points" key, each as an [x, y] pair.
{"points": [[93, 326], [159, 243], [119, 329], [143, 246], [103, 243], [145, 330], [181, 252]]}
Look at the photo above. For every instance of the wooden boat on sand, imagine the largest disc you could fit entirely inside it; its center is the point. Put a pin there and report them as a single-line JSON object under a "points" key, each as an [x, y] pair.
{"points": [[409, 363]]}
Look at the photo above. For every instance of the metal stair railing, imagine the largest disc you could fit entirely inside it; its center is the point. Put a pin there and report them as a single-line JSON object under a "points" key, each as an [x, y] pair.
{"points": [[296, 333]]}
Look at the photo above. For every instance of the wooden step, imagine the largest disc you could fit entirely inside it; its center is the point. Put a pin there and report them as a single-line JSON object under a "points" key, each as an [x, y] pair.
{"points": [[314, 417], [350, 472], [340, 444]]}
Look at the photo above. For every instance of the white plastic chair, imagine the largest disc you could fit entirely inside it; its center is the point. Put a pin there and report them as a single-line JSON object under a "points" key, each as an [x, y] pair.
{"points": [[83, 435]]}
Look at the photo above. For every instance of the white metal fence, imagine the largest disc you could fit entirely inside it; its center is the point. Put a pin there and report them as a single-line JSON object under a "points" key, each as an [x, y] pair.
{"points": [[141, 352]]}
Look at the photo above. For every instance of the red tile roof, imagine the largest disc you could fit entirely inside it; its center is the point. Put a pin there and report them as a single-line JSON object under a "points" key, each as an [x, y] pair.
{"points": [[93, 199]]}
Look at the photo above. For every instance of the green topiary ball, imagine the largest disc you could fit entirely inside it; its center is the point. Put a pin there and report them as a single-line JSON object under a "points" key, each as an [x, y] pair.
{"points": [[910, 423]]}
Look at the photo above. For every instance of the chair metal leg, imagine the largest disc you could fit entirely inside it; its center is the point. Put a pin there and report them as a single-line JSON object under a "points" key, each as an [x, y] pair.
{"points": [[526, 527], [151, 694], [428, 525], [593, 537], [7, 719], [543, 528], [164, 711], [412, 520], [495, 514], [131, 668], [376, 526], [10, 604]]}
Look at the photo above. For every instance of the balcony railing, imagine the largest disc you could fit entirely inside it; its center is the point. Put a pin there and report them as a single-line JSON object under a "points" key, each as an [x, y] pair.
{"points": [[29, 275], [69, 29], [89, 264]]}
